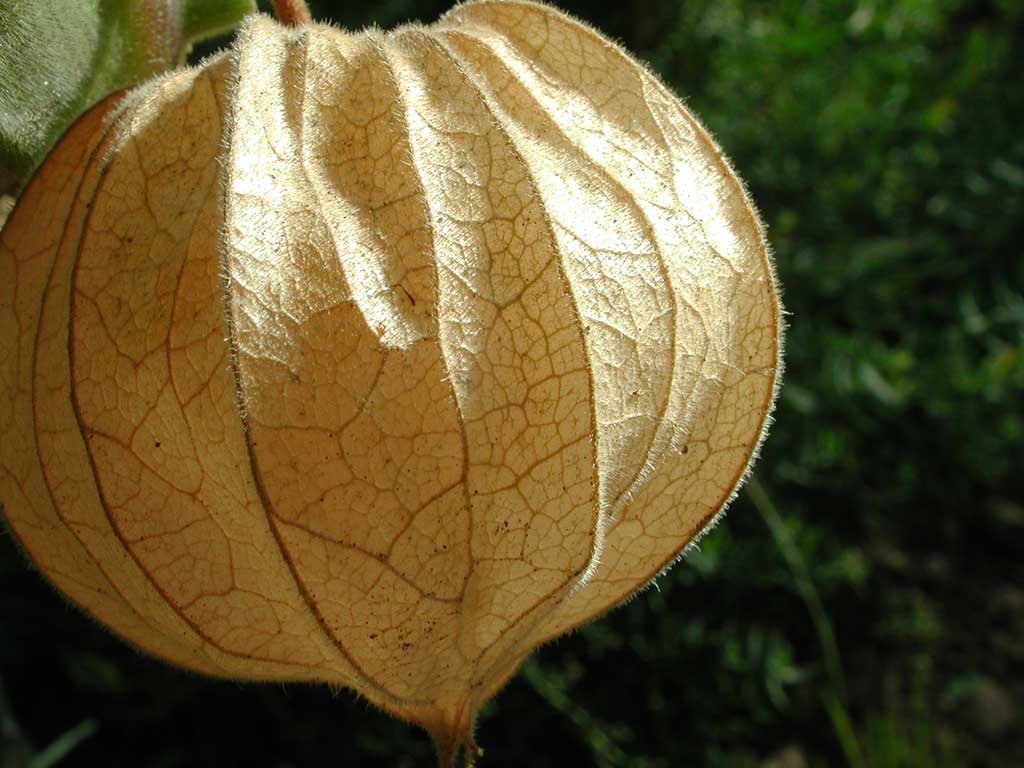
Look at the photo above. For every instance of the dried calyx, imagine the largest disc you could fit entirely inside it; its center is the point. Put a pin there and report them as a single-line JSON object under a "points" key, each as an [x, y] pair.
{"points": [[380, 359]]}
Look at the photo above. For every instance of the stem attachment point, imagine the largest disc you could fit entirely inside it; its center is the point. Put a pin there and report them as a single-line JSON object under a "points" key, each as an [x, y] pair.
{"points": [[292, 13]]}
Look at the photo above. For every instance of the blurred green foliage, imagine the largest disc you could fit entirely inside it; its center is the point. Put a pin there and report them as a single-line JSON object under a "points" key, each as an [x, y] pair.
{"points": [[883, 143]]}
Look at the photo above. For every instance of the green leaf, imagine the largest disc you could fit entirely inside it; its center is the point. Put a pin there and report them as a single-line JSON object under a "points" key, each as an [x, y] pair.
{"points": [[58, 58]]}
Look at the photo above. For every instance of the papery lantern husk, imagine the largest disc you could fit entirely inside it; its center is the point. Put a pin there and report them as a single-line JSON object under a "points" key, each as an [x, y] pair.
{"points": [[380, 359]]}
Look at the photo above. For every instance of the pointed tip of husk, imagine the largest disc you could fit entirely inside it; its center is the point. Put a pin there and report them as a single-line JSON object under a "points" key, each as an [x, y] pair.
{"points": [[452, 734]]}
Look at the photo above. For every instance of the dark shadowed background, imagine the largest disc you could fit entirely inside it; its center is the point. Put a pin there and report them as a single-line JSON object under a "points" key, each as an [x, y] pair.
{"points": [[863, 602]]}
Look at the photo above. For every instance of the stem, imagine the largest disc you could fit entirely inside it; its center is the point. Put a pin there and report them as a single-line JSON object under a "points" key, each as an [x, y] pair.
{"points": [[292, 13], [451, 744], [64, 745], [835, 697], [445, 756]]}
